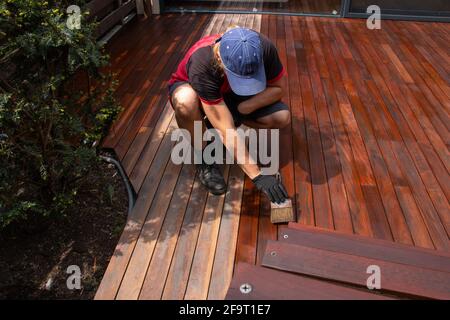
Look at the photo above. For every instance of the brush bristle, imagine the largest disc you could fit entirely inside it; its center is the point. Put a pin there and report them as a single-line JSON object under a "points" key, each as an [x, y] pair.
{"points": [[282, 213]]}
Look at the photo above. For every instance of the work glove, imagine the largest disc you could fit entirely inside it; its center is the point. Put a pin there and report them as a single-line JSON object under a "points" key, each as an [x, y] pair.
{"points": [[272, 187]]}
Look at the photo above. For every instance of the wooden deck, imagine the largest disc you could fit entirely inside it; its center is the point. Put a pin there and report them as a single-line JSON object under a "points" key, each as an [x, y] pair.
{"points": [[367, 152]]}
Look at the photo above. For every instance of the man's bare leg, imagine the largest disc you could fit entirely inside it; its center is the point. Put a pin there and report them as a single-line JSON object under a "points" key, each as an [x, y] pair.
{"points": [[276, 120], [186, 104]]}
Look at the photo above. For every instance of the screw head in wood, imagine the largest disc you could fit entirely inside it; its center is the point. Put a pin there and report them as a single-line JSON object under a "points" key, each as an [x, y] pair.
{"points": [[285, 236], [273, 253], [245, 288]]}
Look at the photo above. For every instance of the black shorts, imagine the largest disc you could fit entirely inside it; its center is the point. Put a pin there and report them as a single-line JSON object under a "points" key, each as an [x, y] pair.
{"points": [[233, 100]]}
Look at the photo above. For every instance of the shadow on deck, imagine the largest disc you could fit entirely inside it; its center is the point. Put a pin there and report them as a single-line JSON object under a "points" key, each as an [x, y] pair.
{"points": [[367, 151]]}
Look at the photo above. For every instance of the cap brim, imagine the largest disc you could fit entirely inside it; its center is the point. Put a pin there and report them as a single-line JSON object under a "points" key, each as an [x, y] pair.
{"points": [[249, 85]]}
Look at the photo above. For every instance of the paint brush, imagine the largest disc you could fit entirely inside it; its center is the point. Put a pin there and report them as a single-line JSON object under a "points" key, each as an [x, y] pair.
{"points": [[282, 213]]}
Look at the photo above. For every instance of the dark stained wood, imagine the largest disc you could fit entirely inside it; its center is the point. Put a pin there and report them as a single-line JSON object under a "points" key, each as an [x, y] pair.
{"points": [[270, 284], [352, 269], [365, 247]]}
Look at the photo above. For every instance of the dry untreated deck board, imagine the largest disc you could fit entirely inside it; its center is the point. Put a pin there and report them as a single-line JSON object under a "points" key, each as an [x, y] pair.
{"points": [[227, 240], [180, 267], [153, 285], [202, 264], [143, 251], [118, 265], [366, 152]]}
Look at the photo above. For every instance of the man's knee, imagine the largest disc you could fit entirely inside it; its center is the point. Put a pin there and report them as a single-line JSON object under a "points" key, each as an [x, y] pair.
{"points": [[186, 105], [280, 119]]}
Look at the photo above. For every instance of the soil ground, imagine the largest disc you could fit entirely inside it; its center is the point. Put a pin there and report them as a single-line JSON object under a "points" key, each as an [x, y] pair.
{"points": [[34, 263]]}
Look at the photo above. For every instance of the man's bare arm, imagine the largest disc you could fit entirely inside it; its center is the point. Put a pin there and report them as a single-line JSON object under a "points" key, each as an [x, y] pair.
{"points": [[273, 93], [220, 117]]}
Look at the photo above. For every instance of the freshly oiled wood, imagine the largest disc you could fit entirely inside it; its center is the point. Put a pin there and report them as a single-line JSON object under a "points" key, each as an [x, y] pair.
{"points": [[248, 224], [152, 91], [227, 240], [338, 196], [352, 269], [375, 137], [410, 210], [442, 57], [370, 167], [117, 266], [399, 126], [266, 230], [365, 247], [178, 276], [156, 77], [434, 87], [375, 197], [335, 94], [286, 152], [419, 107], [414, 177], [438, 101], [321, 198], [437, 139], [305, 210], [136, 39], [438, 83], [122, 56], [153, 285], [397, 63], [202, 264], [130, 99], [270, 284], [423, 118], [358, 221]]}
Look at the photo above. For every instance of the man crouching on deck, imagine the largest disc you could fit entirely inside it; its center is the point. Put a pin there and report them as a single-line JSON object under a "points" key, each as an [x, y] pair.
{"points": [[231, 79]]}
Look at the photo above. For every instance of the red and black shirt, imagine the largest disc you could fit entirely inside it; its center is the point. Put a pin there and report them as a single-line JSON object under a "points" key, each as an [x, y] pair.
{"points": [[198, 68]]}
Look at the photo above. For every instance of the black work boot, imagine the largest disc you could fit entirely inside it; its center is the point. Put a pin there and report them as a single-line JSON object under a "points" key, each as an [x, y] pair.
{"points": [[211, 177]]}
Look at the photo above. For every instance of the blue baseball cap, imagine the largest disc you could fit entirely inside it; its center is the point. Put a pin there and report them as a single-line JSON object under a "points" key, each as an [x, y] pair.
{"points": [[241, 54]]}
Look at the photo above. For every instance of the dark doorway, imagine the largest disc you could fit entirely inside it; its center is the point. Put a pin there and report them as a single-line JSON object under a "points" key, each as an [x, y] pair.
{"points": [[313, 7], [413, 9]]}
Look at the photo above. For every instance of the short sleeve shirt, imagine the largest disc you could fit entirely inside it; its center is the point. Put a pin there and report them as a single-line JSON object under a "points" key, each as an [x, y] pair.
{"points": [[207, 79]]}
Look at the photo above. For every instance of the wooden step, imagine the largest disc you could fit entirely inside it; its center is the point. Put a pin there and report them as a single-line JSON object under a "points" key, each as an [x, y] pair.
{"points": [[365, 247], [354, 269], [268, 284]]}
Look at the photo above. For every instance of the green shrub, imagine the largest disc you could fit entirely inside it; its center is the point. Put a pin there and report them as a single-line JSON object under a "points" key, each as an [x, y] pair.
{"points": [[55, 103]]}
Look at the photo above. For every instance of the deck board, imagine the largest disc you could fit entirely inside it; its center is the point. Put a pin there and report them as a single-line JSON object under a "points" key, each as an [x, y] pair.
{"points": [[367, 151]]}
